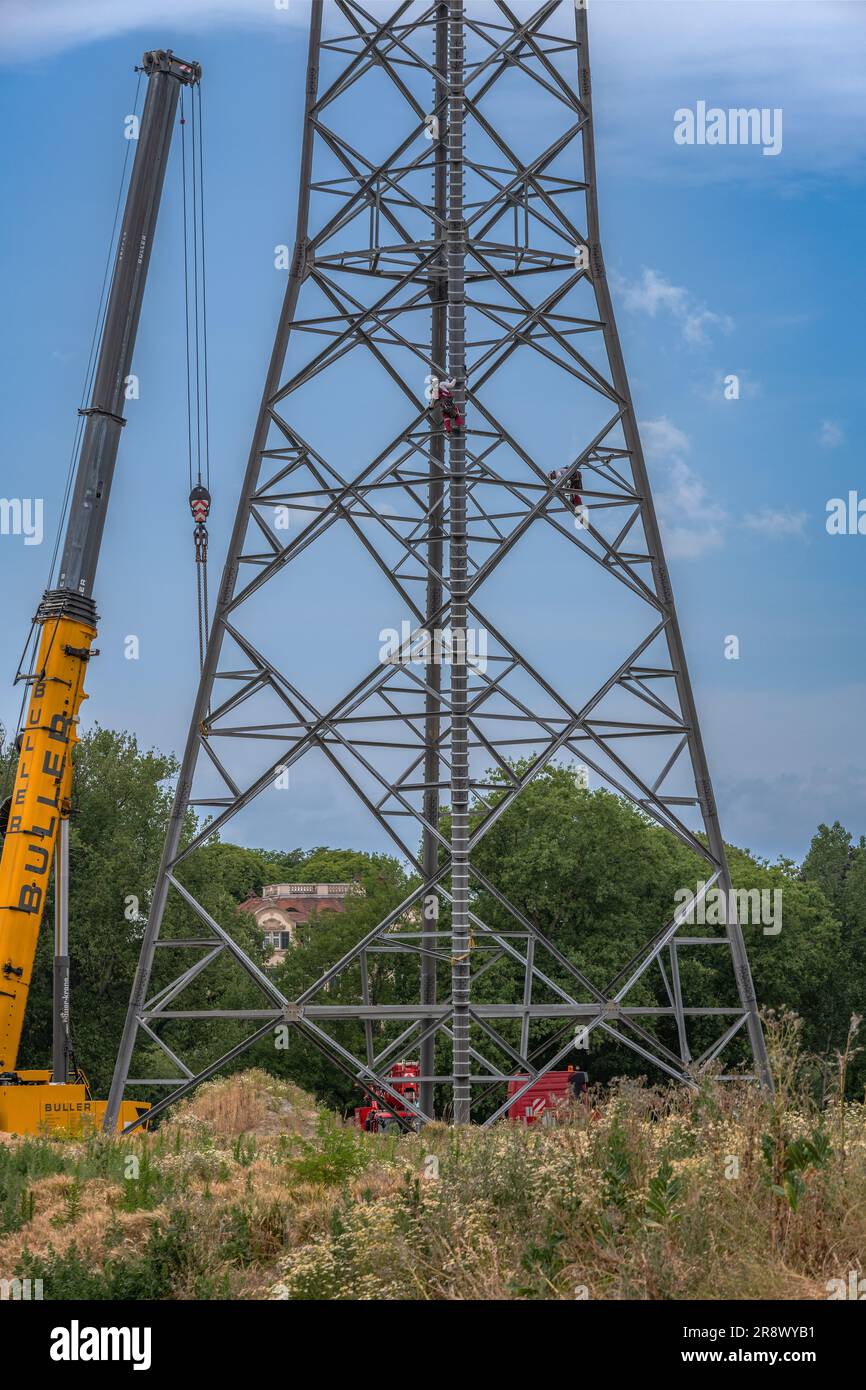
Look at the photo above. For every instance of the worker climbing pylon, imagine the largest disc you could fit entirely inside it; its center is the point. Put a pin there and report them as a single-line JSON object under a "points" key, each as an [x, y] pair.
{"points": [[445, 407], [573, 498]]}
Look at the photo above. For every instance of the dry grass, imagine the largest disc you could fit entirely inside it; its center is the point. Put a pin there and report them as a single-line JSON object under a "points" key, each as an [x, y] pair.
{"points": [[51, 1228], [250, 1102], [664, 1194]]}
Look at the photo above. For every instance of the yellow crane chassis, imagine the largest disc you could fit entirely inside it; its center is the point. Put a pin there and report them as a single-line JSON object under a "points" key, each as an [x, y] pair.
{"points": [[39, 1106]]}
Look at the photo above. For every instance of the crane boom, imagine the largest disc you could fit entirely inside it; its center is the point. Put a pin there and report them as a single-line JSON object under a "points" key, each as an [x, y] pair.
{"points": [[67, 614]]}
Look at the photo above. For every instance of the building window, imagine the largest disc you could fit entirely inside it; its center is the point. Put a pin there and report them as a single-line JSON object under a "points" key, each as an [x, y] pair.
{"points": [[279, 940]]}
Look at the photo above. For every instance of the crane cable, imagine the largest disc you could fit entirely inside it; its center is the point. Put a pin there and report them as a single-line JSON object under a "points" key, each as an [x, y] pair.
{"points": [[195, 316]]}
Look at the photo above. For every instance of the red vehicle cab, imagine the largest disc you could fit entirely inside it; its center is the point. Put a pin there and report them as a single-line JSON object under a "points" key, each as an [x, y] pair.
{"points": [[381, 1114]]}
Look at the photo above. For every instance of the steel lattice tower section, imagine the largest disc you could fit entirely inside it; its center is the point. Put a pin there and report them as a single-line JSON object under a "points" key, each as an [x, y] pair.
{"points": [[500, 263]]}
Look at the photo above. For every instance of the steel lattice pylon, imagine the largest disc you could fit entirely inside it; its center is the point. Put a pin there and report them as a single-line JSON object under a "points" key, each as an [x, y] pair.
{"points": [[452, 255]]}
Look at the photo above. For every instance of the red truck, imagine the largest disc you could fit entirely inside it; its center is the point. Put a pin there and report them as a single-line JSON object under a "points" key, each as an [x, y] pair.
{"points": [[381, 1114], [549, 1090]]}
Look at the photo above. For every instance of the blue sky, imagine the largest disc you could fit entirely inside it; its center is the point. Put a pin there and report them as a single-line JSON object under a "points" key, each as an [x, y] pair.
{"points": [[722, 260]]}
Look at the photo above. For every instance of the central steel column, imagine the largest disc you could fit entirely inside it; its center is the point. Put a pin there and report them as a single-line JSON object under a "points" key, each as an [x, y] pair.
{"points": [[435, 534], [456, 255]]}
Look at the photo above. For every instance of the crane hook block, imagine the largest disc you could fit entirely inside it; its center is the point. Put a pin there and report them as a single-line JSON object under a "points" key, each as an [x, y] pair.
{"points": [[199, 504]]}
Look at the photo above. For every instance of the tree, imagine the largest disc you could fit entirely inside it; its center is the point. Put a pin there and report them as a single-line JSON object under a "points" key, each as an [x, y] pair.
{"points": [[596, 875], [242, 872], [828, 861], [323, 940], [373, 871], [838, 867], [598, 878], [122, 797], [120, 807]]}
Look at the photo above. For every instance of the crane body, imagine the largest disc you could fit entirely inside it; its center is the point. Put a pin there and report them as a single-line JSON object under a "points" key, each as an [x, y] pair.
{"points": [[67, 623]]}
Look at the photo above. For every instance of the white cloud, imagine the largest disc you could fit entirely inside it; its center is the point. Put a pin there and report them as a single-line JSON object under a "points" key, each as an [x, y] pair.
{"points": [[31, 27], [661, 438], [831, 434], [775, 525], [691, 521], [651, 57], [653, 294]]}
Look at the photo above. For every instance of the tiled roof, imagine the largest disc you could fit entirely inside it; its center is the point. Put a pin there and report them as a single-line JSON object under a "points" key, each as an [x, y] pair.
{"points": [[301, 909]]}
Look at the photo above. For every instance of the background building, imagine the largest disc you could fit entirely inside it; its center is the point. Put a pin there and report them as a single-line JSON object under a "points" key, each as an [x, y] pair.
{"points": [[282, 906]]}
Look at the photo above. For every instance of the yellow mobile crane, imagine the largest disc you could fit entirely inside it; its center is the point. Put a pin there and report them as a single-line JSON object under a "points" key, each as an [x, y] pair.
{"points": [[35, 818]]}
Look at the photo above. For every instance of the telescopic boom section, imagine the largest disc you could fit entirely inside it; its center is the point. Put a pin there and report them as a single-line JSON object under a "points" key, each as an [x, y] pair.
{"points": [[67, 614]]}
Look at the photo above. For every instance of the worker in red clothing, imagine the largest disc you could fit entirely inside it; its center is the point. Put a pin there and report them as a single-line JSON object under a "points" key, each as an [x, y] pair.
{"points": [[446, 407], [577, 482]]}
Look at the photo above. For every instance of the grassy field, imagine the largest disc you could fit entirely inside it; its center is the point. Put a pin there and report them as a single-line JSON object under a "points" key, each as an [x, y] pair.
{"points": [[250, 1191]]}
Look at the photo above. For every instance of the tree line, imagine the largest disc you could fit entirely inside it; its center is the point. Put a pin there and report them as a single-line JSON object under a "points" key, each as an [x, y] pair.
{"points": [[596, 875]]}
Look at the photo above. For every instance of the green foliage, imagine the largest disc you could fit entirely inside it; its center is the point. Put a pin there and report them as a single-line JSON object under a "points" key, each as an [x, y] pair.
{"points": [[144, 1192], [121, 803], [605, 1207], [244, 1150], [593, 872], [72, 1207], [169, 1264], [242, 872], [828, 862], [616, 1175], [789, 1163], [543, 1261], [322, 941], [120, 806], [837, 868], [665, 1191], [20, 1166], [336, 1155]]}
